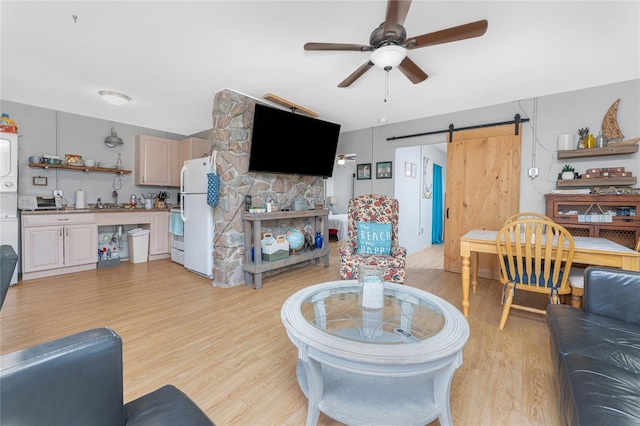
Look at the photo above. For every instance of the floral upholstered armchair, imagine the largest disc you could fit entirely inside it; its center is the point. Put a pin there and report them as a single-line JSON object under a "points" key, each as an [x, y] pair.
{"points": [[372, 238]]}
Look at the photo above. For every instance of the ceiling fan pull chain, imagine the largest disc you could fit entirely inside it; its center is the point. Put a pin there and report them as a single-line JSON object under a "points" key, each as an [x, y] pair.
{"points": [[386, 85]]}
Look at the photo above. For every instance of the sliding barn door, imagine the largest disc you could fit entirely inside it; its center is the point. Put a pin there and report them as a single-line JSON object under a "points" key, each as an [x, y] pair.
{"points": [[483, 188]]}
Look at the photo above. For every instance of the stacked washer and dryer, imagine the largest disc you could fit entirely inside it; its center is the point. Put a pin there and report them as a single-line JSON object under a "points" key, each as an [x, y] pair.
{"points": [[9, 228]]}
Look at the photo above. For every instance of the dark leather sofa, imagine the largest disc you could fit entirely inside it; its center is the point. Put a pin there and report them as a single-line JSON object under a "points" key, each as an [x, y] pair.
{"points": [[77, 380], [596, 351]]}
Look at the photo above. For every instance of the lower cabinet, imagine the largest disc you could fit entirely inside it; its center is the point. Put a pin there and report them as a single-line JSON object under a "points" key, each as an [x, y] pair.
{"points": [[159, 242], [54, 244], [58, 244]]}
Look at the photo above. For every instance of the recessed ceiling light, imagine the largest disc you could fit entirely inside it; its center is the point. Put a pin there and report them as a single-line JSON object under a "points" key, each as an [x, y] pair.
{"points": [[382, 120], [114, 98]]}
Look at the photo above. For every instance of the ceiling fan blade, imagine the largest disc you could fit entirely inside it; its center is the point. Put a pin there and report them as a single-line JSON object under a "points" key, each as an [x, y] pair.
{"points": [[337, 46], [412, 71], [462, 32], [356, 74], [396, 14]]}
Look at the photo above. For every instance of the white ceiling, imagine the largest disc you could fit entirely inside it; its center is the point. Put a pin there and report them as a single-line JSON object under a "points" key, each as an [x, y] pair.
{"points": [[171, 57]]}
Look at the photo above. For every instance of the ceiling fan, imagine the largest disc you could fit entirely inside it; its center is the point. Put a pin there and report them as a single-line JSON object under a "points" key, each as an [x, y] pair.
{"points": [[389, 43], [343, 158]]}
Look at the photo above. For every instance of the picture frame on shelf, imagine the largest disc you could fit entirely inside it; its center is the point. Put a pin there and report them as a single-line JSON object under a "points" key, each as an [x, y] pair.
{"points": [[363, 171], [384, 170], [73, 159]]}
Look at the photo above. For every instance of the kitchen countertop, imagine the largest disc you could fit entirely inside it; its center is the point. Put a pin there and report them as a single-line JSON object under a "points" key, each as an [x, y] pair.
{"points": [[94, 210]]}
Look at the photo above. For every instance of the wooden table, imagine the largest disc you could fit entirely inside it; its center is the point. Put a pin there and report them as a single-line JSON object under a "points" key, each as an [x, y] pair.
{"points": [[590, 251]]}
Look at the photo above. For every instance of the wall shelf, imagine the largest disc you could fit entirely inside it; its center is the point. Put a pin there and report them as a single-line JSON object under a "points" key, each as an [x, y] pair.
{"points": [[587, 183], [81, 168], [598, 152]]}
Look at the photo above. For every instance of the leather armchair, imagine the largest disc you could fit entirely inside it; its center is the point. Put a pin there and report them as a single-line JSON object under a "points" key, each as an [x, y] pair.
{"points": [[8, 262], [77, 380]]}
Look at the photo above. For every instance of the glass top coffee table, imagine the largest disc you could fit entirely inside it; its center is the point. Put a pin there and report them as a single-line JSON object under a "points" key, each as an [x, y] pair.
{"points": [[392, 365]]}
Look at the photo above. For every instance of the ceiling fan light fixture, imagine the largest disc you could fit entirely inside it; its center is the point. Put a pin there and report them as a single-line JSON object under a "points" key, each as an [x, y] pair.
{"points": [[114, 98], [387, 57]]}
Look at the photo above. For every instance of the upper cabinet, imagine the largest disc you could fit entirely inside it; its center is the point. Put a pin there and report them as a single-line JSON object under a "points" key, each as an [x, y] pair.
{"points": [[159, 160], [188, 149], [191, 148], [153, 160]]}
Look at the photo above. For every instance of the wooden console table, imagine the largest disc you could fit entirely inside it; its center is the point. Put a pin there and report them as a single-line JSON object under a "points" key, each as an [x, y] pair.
{"points": [[254, 268]]}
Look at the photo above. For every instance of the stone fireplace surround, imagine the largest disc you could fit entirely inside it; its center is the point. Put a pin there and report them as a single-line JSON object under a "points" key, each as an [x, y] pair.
{"points": [[232, 125]]}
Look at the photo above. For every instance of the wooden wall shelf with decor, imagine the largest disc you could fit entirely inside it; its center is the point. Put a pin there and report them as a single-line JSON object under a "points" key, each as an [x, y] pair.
{"points": [[588, 183], [624, 227], [598, 152], [81, 168]]}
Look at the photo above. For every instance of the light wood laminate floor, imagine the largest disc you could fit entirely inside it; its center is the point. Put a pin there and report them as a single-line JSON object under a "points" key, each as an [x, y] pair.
{"points": [[228, 350]]}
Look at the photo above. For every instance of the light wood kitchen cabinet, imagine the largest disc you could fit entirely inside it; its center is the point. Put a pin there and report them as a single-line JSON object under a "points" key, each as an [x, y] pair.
{"points": [[58, 244], [159, 242], [191, 148], [176, 165], [159, 160], [187, 149], [154, 164]]}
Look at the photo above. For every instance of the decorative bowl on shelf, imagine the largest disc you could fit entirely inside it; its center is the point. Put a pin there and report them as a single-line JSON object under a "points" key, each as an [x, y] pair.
{"points": [[107, 165], [90, 163]]}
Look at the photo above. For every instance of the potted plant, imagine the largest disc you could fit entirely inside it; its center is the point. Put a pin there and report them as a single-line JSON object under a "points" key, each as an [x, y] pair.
{"points": [[567, 172]]}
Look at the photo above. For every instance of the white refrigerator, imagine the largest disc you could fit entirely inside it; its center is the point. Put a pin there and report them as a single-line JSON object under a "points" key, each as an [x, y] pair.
{"points": [[197, 216]]}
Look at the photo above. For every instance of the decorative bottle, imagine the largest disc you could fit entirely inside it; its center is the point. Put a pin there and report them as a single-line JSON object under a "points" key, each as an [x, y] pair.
{"points": [[601, 141], [119, 162], [319, 240]]}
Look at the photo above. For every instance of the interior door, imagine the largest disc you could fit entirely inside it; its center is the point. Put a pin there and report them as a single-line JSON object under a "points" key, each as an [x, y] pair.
{"points": [[482, 188]]}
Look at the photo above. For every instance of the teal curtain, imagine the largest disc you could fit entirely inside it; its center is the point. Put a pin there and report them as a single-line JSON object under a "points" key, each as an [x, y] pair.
{"points": [[437, 218]]}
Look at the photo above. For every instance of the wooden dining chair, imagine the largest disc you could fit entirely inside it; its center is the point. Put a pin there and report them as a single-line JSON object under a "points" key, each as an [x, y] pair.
{"points": [[535, 255], [527, 215]]}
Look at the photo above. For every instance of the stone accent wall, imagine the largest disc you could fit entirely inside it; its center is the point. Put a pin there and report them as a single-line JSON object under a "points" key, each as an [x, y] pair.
{"points": [[232, 130]]}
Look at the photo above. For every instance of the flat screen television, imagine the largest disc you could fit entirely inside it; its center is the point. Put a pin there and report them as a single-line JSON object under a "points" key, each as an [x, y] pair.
{"points": [[291, 143]]}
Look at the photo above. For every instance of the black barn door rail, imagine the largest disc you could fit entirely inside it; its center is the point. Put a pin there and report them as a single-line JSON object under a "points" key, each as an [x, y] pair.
{"points": [[516, 121]]}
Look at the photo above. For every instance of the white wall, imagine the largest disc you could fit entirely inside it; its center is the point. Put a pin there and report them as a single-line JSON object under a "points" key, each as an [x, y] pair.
{"points": [[416, 212], [549, 117], [341, 185], [565, 113]]}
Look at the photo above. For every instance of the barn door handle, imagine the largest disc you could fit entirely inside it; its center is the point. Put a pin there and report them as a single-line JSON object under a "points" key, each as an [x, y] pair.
{"points": [[447, 212]]}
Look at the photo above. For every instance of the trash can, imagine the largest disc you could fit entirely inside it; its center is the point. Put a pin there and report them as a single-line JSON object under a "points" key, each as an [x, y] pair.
{"points": [[138, 239]]}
